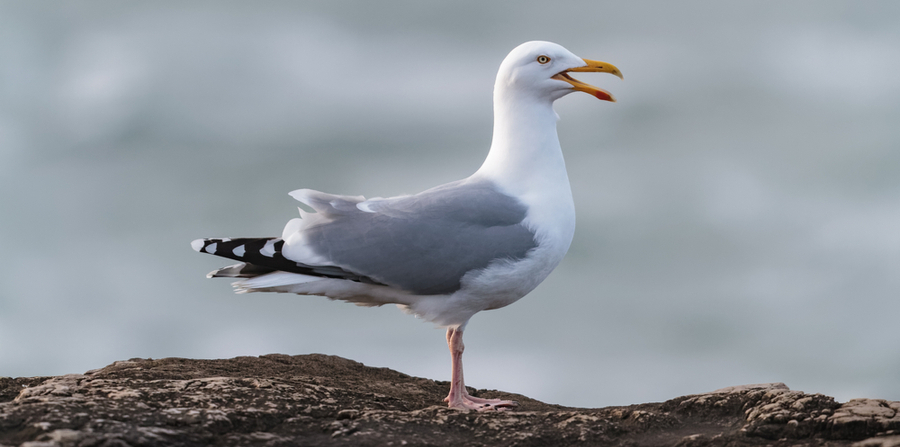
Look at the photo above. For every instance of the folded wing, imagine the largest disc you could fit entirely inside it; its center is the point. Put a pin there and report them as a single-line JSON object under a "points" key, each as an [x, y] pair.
{"points": [[423, 244]]}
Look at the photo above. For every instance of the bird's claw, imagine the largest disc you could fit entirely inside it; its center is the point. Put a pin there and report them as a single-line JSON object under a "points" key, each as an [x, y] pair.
{"points": [[467, 402]]}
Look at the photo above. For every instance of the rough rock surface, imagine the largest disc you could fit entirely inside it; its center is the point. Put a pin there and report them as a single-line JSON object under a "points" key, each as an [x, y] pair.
{"points": [[311, 400]]}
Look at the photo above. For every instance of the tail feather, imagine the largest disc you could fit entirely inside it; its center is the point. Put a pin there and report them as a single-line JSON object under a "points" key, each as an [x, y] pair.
{"points": [[272, 282], [259, 256], [239, 270]]}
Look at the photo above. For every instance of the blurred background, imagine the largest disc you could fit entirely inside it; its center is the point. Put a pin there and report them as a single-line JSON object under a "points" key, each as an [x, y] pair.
{"points": [[738, 208]]}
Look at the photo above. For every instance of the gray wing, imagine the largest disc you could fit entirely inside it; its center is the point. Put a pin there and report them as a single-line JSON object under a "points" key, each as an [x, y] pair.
{"points": [[425, 243]]}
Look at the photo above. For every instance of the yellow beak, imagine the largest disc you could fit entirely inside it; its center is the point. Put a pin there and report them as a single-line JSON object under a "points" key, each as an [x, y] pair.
{"points": [[592, 66]]}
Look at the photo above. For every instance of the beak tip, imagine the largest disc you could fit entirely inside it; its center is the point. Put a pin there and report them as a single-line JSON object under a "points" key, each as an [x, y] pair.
{"points": [[603, 95]]}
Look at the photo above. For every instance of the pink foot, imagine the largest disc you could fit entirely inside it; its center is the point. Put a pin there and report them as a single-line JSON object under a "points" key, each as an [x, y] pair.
{"points": [[467, 402], [459, 398]]}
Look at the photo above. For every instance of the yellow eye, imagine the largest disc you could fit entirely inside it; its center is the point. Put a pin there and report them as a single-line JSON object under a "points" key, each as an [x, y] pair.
{"points": [[543, 59]]}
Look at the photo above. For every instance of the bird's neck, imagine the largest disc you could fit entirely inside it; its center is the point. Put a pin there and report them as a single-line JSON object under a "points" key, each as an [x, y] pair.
{"points": [[525, 151]]}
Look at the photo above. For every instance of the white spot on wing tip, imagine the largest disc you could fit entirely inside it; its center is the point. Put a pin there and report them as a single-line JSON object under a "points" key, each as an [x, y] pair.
{"points": [[269, 249], [197, 244], [211, 248], [239, 250]]}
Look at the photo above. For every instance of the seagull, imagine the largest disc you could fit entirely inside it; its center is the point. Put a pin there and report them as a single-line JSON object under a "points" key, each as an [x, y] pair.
{"points": [[444, 254]]}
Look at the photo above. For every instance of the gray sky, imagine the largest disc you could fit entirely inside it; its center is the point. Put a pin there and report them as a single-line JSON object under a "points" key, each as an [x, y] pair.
{"points": [[738, 208]]}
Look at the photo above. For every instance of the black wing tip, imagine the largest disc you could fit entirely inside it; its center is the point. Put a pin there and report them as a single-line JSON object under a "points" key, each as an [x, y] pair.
{"points": [[254, 261]]}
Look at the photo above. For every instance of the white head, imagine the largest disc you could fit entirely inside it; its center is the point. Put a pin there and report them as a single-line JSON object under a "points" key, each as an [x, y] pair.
{"points": [[539, 69]]}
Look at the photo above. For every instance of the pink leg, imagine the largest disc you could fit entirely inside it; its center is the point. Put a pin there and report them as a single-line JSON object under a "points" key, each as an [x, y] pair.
{"points": [[459, 397]]}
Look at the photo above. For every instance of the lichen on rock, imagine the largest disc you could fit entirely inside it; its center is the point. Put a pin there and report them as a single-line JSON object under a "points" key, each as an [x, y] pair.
{"points": [[314, 400]]}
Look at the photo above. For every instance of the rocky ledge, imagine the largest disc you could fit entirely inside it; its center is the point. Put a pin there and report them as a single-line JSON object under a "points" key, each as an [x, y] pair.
{"points": [[311, 400]]}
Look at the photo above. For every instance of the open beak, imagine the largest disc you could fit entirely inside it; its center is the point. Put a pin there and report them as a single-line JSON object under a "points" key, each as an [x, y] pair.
{"points": [[594, 66]]}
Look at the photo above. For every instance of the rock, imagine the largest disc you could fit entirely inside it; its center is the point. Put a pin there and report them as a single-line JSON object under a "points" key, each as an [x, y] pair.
{"points": [[319, 400]]}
